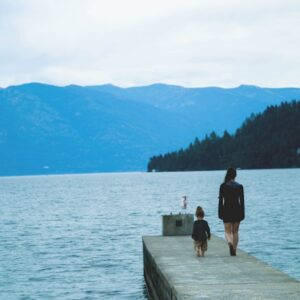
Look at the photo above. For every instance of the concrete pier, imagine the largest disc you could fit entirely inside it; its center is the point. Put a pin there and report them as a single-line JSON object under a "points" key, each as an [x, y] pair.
{"points": [[173, 271]]}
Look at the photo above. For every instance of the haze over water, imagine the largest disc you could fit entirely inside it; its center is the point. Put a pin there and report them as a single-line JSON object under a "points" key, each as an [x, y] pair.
{"points": [[79, 236]]}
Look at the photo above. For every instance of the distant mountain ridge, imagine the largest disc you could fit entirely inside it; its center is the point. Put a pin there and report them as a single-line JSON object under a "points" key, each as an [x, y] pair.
{"points": [[50, 129], [215, 106]]}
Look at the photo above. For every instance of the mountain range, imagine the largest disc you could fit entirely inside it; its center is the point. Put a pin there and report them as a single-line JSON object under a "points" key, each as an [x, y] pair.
{"points": [[46, 129]]}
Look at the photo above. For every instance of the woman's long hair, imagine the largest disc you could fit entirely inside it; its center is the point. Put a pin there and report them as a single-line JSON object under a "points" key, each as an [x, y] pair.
{"points": [[230, 174]]}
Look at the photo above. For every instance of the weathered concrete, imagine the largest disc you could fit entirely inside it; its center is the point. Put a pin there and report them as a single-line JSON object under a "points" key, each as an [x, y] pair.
{"points": [[172, 271], [180, 224]]}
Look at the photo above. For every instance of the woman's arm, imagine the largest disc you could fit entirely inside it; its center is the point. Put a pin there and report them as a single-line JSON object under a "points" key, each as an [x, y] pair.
{"points": [[220, 210], [242, 202]]}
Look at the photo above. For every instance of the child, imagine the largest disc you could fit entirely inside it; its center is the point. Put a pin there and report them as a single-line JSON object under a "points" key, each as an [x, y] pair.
{"points": [[201, 232]]}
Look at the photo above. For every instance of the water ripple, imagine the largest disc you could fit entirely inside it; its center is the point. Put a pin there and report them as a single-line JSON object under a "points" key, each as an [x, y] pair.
{"points": [[79, 236]]}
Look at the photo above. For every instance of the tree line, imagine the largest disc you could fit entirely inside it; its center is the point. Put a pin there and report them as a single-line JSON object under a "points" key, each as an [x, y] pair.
{"points": [[266, 140]]}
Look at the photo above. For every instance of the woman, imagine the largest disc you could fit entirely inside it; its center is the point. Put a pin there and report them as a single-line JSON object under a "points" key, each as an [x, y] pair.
{"points": [[231, 208]]}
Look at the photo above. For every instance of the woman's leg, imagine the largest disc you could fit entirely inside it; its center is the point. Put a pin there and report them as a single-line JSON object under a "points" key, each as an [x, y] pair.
{"points": [[229, 237], [228, 232], [235, 234]]}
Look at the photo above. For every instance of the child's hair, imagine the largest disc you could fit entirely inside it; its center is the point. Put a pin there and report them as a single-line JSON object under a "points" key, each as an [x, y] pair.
{"points": [[199, 212]]}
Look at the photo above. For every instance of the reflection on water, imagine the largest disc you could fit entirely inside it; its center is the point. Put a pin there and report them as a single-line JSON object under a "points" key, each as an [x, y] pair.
{"points": [[79, 236]]}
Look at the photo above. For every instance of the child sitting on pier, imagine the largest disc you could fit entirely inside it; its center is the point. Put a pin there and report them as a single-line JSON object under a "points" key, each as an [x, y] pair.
{"points": [[201, 232]]}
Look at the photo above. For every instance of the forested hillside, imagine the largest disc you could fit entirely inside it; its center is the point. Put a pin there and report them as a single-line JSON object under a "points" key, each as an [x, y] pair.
{"points": [[266, 140]]}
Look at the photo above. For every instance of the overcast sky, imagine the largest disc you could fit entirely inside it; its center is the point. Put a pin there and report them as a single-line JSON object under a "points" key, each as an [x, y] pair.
{"points": [[139, 42]]}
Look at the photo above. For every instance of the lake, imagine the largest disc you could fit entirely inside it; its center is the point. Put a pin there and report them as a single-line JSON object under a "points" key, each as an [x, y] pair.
{"points": [[79, 236]]}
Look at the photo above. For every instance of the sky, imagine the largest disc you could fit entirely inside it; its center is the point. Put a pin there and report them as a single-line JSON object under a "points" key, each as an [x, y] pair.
{"points": [[193, 43]]}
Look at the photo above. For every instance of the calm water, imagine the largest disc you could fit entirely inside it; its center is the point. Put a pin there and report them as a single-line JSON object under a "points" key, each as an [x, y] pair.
{"points": [[79, 236]]}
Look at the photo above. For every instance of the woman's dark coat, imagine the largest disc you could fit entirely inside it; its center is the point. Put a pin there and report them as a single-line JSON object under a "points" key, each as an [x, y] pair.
{"points": [[231, 202]]}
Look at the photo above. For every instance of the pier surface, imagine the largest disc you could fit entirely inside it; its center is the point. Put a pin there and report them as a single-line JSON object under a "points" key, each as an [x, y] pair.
{"points": [[173, 271]]}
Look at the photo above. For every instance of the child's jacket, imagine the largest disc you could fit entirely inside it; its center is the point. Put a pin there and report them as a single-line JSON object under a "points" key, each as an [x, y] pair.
{"points": [[201, 230]]}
